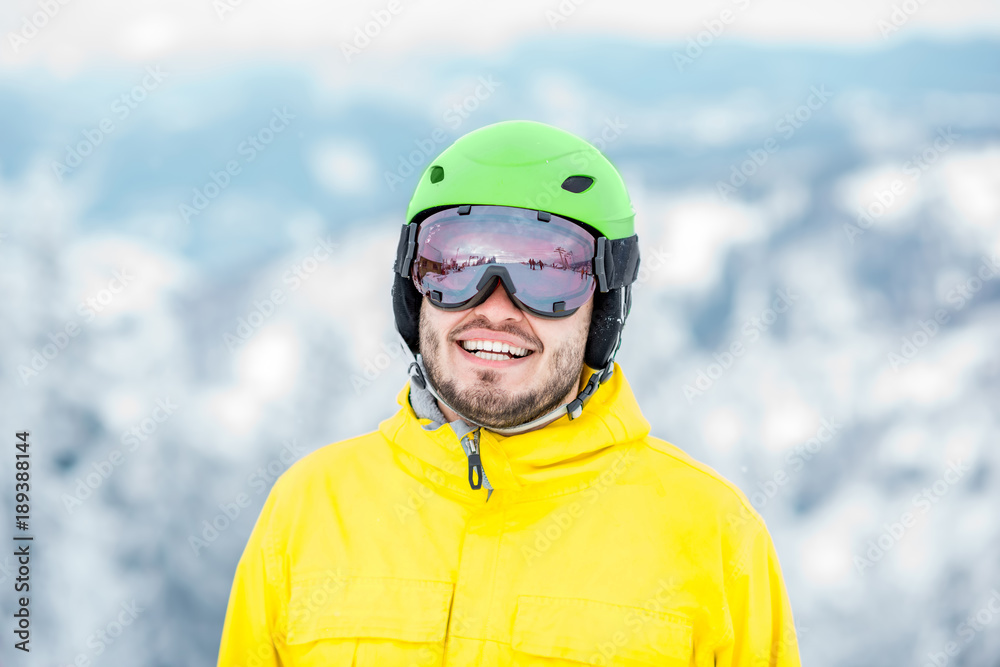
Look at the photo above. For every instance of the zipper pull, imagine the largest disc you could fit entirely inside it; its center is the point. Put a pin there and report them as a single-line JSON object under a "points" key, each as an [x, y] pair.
{"points": [[475, 463]]}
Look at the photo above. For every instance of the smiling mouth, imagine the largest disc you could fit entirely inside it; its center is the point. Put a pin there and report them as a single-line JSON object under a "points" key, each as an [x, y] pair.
{"points": [[489, 350]]}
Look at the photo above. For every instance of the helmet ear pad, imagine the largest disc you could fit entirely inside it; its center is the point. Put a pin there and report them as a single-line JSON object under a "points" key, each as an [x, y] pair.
{"points": [[406, 302], [606, 323]]}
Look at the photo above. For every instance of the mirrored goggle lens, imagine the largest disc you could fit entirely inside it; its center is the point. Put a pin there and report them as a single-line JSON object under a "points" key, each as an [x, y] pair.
{"points": [[549, 263]]}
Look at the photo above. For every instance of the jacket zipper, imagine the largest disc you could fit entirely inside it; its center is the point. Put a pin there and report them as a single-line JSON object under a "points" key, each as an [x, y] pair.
{"points": [[477, 474], [475, 462]]}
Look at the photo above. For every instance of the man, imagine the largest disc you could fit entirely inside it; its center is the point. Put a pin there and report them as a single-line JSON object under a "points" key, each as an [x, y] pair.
{"points": [[515, 510]]}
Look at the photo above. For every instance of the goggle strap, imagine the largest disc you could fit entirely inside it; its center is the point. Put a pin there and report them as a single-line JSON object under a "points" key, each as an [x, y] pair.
{"points": [[602, 259], [629, 249], [616, 262], [406, 249]]}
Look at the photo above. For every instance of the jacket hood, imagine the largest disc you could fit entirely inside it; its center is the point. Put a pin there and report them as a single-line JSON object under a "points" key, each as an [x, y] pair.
{"points": [[565, 453]]}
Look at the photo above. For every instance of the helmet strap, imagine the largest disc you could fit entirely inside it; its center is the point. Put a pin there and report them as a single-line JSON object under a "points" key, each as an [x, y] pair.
{"points": [[574, 408]]}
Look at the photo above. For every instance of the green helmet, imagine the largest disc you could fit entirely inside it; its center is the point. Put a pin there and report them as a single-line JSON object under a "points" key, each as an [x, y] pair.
{"points": [[531, 165]]}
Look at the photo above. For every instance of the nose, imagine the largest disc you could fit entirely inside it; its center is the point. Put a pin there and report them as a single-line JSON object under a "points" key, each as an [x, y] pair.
{"points": [[498, 305]]}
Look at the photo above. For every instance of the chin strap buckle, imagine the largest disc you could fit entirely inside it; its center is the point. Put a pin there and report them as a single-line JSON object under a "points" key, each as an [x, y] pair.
{"points": [[416, 375], [575, 407]]}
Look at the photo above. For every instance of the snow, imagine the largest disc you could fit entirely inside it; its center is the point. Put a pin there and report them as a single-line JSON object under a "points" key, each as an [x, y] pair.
{"points": [[320, 365]]}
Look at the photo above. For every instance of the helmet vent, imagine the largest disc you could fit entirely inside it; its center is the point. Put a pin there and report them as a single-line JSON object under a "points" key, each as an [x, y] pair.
{"points": [[577, 184], [437, 174]]}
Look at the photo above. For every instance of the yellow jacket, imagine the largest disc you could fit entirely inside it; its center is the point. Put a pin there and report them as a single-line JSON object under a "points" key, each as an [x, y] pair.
{"points": [[599, 544]]}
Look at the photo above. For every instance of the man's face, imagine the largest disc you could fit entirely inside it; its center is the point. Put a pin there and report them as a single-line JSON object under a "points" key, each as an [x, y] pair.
{"points": [[508, 392]]}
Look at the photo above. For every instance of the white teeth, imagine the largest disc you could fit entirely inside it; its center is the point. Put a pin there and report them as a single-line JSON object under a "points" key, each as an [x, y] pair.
{"points": [[493, 350]]}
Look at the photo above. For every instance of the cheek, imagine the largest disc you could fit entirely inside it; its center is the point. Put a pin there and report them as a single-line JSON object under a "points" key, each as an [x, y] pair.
{"points": [[436, 324], [556, 334]]}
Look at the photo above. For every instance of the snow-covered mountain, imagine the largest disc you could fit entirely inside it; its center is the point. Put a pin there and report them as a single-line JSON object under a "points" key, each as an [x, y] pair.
{"points": [[195, 265]]}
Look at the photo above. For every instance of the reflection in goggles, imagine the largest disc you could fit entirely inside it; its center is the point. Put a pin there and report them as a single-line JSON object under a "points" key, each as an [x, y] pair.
{"points": [[564, 263], [548, 262]]}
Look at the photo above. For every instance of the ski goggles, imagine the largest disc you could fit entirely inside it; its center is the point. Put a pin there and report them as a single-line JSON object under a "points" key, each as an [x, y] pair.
{"points": [[549, 265]]}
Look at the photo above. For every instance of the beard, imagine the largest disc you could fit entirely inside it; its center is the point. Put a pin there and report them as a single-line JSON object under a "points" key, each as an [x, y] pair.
{"points": [[485, 402]]}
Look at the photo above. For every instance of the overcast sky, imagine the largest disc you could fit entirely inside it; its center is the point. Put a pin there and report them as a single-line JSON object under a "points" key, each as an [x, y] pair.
{"points": [[87, 33]]}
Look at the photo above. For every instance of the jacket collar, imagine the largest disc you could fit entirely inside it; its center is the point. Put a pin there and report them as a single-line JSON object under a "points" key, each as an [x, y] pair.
{"points": [[563, 453]]}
